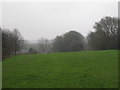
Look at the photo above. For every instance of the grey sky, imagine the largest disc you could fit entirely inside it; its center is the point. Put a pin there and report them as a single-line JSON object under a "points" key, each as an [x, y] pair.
{"points": [[49, 19]]}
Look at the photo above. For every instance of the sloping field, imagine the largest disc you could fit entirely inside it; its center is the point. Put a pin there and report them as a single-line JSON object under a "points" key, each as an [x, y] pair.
{"points": [[87, 69]]}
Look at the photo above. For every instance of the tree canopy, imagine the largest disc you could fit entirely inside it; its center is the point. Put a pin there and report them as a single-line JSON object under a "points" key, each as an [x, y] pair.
{"points": [[105, 35], [70, 41]]}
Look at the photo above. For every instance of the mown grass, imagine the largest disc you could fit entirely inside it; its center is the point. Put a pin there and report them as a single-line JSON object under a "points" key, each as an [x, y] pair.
{"points": [[0, 74], [87, 69]]}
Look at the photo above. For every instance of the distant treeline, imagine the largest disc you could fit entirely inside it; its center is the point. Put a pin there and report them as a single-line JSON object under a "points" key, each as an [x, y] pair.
{"points": [[104, 37]]}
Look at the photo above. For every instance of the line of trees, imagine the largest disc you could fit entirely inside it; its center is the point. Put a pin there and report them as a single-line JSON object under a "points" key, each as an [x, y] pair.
{"points": [[104, 37]]}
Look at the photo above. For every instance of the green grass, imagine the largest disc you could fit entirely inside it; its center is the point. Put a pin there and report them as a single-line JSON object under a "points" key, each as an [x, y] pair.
{"points": [[86, 69], [0, 74]]}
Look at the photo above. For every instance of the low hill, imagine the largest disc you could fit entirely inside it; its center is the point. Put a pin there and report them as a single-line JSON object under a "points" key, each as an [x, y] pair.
{"points": [[86, 69]]}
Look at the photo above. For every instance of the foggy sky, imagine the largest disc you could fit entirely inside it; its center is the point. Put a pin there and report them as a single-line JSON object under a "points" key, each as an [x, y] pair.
{"points": [[49, 19]]}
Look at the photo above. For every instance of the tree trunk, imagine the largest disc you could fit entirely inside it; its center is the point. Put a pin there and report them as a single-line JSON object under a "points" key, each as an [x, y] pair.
{"points": [[15, 52]]}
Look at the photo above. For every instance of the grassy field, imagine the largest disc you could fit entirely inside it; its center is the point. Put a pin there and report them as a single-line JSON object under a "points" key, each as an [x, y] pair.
{"points": [[87, 69], [0, 74]]}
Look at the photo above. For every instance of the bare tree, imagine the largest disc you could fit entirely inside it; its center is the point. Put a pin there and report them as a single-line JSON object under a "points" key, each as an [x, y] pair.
{"points": [[43, 45], [11, 42], [6, 43], [17, 41]]}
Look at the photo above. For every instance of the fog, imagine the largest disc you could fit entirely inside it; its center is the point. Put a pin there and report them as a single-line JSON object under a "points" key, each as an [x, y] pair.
{"points": [[49, 19]]}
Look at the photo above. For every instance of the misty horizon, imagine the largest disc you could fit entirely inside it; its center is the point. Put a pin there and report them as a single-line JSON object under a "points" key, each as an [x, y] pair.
{"points": [[51, 19]]}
